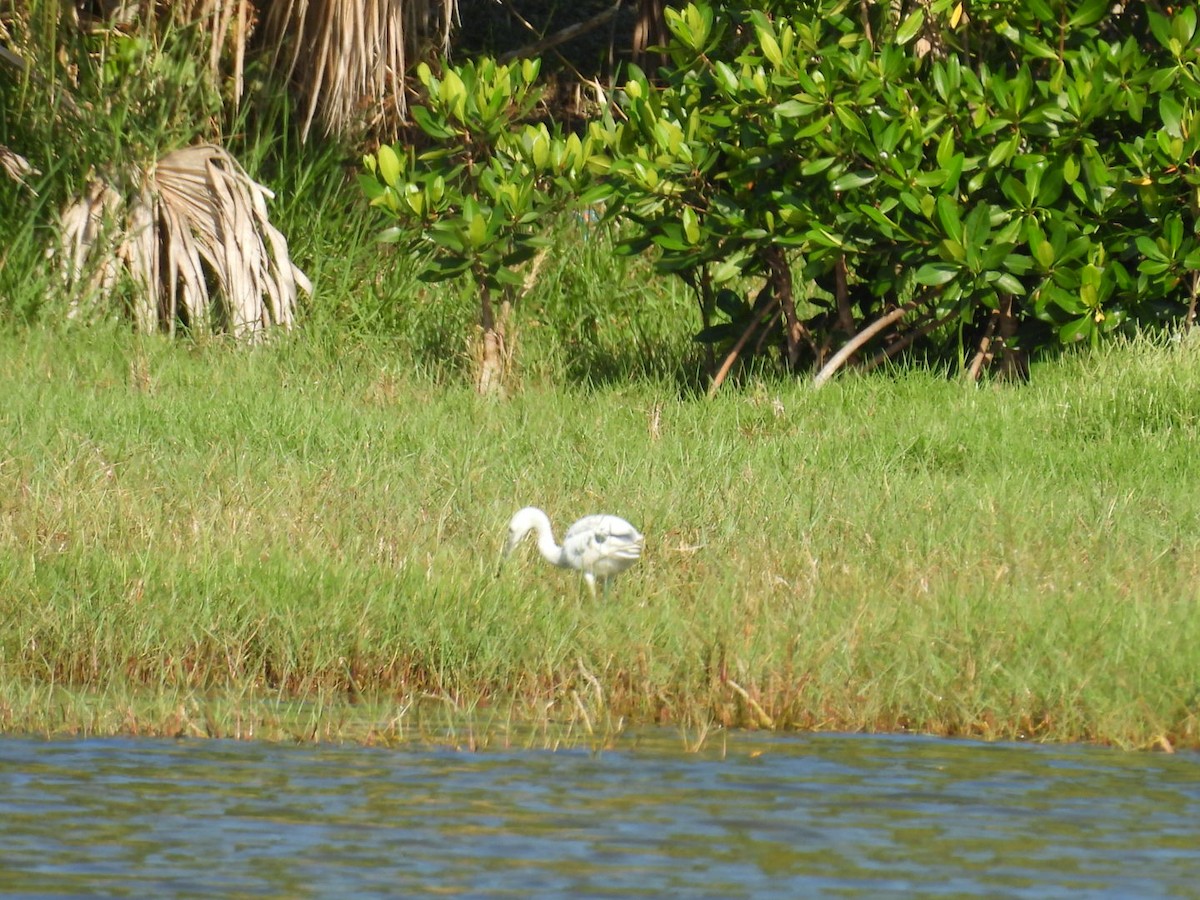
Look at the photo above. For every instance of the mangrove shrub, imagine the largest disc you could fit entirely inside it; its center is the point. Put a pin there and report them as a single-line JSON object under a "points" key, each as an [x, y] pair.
{"points": [[992, 180]]}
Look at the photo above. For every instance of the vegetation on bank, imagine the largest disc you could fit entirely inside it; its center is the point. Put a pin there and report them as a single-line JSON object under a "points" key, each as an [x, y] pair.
{"points": [[303, 540], [843, 184], [837, 183], [300, 538]]}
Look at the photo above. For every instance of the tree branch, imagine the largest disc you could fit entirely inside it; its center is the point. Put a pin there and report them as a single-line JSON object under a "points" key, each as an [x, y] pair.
{"points": [[839, 358], [563, 35], [928, 324], [756, 319], [984, 354]]}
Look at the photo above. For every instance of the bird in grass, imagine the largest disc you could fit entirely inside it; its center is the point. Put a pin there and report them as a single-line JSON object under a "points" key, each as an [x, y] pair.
{"points": [[598, 546]]}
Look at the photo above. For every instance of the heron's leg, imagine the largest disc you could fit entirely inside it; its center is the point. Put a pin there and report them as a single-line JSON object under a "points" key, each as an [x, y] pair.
{"points": [[590, 578]]}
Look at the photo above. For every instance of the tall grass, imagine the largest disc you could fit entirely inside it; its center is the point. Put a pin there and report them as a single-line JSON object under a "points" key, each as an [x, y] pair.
{"points": [[302, 538], [224, 531]]}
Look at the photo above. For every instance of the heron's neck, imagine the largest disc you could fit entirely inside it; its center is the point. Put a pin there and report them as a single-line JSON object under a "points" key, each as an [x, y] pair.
{"points": [[550, 551]]}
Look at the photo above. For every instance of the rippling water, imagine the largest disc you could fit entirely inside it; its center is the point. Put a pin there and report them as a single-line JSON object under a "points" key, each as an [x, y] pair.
{"points": [[760, 817]]}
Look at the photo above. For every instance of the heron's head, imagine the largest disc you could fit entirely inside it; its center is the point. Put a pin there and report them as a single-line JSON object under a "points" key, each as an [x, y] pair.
{"points": [[518, 527], [514, 538]]}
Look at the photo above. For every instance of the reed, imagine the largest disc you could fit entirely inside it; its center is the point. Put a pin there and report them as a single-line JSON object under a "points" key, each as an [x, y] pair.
{"points": [[301, 540]]}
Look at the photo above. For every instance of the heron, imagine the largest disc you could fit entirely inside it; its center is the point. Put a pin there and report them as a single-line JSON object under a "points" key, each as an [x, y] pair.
{"points": [[599, 546]]}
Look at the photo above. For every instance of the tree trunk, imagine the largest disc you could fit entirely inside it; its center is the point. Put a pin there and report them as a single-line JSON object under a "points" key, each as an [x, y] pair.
{"points": [[650, 30], [780, 277], [491, 356], [998, 339], [852, 346], [1014, 363]]}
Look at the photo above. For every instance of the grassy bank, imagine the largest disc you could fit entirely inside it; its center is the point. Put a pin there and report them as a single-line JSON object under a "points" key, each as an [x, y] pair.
{"points": [[301, 540]]}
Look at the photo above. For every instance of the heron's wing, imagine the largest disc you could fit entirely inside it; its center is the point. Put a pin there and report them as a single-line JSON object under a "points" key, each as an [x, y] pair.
{"points": [[594, 538], [587, 525]]}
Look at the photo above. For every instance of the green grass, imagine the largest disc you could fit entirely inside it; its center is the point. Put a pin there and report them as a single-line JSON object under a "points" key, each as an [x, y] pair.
{"points": [[301, 539]]}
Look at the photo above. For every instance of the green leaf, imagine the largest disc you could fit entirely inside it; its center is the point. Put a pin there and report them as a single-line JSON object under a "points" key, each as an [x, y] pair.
{"points": [[731, 303], [1171, 111], [1149, 249], [947, 210], [887, 225], [1003, 152], [370, 186], [1040, 49], [978, 227], [952, 249], [850, 120], [1088, 13], [769, 46], [952, 173], [477, 232], [454, 94], [444, 269], [1184, 24], [792, 109], [726, 270], [816, 166], [945, 148], [1076, 330], [389, 165], [910, 27], [1044, 254], [435, 128], [939, 81], [936, 273], [1009, 284], [671, 237], [1016, 263], [714, 334], [446, 235], [851, 180], [820, 126]]}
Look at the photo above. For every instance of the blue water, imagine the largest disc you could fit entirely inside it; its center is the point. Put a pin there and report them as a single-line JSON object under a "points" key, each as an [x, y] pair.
{"points": [[749, 816]]}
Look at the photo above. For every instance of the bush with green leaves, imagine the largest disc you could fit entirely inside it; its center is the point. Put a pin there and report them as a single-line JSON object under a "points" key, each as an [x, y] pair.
{"points": [[1018, 175], [477, 200]]}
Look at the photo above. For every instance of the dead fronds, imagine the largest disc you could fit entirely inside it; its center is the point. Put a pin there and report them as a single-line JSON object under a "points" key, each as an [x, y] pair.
{"points": [[353, 55], [192, 241], [16, 166]]}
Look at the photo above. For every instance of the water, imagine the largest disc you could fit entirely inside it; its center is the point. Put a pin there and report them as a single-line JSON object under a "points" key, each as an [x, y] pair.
{"points": [[842, 816]]}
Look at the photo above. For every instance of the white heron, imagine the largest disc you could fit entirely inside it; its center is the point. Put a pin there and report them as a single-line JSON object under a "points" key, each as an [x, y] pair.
{"points": [[598, 546]]}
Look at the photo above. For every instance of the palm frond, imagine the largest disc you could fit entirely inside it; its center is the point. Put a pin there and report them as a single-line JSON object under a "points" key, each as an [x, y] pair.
{"points": [[228, 25], [16, 166], [355, 53], [194, 242]]}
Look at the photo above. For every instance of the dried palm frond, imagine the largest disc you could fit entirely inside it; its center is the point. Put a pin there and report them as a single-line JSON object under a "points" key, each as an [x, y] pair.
{"points": [[195, 242], [16, 166], [228, 25], [354, 54]]}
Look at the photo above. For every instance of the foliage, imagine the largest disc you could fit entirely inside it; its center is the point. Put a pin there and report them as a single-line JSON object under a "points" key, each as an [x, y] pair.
{"points": [[476, 203], [154, 221], [1030, 162], [98, 95]]}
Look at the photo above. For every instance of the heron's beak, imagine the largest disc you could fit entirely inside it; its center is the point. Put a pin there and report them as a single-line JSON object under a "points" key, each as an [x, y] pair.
{"points": [[504, 554]]}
